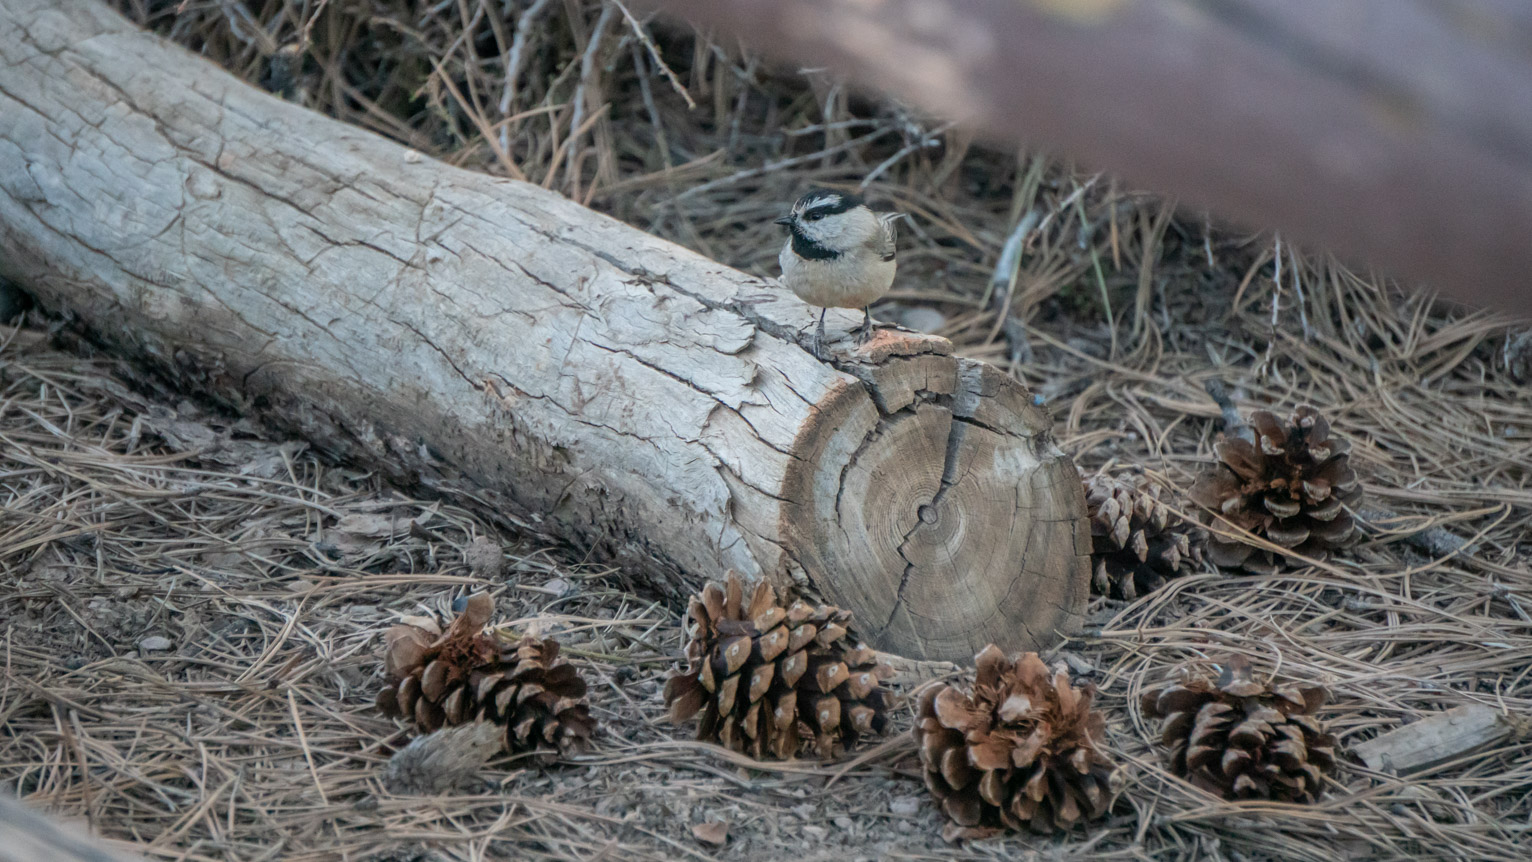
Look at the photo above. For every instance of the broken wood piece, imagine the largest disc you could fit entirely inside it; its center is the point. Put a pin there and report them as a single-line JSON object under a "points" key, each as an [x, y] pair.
{"points": [[1436, 739], [1328, 122], [496, 343]]}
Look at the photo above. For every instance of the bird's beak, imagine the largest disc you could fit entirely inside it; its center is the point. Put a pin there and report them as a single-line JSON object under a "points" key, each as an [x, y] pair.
{"points": [[787, 219]]}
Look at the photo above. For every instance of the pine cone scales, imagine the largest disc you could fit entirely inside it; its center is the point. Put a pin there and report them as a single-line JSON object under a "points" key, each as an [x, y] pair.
{"points": [[769, 679], [1242, 740], [1020, 751], [1292, 486], [1137, 543], [464, 675]]}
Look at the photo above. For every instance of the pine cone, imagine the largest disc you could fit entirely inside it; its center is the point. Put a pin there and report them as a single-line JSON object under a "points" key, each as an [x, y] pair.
{"points": [[1021, 750], [464, 675], [1136, 541], [1240, 739], [776, 680], [1292, 486]]}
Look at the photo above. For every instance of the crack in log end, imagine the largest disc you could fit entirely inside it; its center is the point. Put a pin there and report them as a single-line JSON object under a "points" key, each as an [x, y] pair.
{"points": [[928, 515]]}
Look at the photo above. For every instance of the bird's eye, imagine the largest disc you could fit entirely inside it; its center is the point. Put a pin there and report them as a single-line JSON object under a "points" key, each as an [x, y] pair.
{"points": [[814, 216]]}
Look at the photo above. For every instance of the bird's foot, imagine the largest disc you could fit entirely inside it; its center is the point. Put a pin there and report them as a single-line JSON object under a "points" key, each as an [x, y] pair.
{"points": [[817, 343], [817, 347], [864, 332]]}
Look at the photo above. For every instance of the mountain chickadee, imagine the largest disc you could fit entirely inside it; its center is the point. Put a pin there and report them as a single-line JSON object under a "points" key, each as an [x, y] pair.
{"points": [[839, 254]]}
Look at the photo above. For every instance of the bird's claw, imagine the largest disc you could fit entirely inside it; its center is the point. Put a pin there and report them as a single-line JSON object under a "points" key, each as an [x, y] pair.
{"points": [[817, 343], [864, 332]]}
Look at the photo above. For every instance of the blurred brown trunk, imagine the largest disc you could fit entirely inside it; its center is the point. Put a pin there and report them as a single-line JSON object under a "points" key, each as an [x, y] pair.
{"points": [[1395, 131]]}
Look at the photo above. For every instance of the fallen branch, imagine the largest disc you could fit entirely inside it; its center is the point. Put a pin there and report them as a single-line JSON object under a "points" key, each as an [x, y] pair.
{"points": [[1438, 739], [493, 341]]}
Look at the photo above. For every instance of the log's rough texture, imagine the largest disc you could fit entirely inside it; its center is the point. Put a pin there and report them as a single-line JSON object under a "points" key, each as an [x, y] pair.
{"points": [[494, 341], [1398, 131]]}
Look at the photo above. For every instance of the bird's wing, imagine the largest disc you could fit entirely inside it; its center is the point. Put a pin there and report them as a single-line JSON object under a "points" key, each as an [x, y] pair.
{"points": [[887, 239]]}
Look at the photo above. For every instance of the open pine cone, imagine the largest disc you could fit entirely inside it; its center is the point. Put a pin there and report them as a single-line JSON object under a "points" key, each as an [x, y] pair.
{"points": [[1292, 486], [1241, 739], [465, 675], [769, 679], [1020, 751], [1137, 543]]}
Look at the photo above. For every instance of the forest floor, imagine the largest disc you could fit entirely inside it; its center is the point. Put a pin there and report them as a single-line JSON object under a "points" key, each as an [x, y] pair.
{"points": [[192, 606]]}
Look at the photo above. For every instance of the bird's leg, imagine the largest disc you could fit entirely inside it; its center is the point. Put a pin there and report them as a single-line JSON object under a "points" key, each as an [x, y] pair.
{"points": [[865, 332], [817, 346]]}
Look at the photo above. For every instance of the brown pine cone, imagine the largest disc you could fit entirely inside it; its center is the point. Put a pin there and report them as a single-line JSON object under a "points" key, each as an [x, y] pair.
{"points": [[1293, 486], [1137, 543], [769, 679], [438, 680], [1020, 751], [1241, 739]]}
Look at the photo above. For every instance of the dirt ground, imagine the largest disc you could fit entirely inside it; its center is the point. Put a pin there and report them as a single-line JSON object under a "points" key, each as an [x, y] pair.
{"points": [[191, 604]]}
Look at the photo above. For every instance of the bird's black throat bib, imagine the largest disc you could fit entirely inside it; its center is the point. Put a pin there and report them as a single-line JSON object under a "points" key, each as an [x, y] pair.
{"points": [[810, 250]]}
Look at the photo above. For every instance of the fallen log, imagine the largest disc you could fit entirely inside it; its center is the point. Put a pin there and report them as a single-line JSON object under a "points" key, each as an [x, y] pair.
{"points": [[493, 341]]}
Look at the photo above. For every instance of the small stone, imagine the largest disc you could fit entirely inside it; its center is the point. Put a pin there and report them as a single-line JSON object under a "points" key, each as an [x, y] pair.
{"points": [[904, 806], [818, 833], [1076, 663], [559, 587], [715, 832], [485, 559], [155, 643], [922, 319], [844, 823], [445, 761]]}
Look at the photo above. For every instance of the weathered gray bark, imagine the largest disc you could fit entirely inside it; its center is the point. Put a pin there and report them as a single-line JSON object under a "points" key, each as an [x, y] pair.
{"points": [[497, 342], [1397, 131], [26, 836]]}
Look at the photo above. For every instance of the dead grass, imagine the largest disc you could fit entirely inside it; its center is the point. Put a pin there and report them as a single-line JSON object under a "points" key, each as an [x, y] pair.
{"points": [[128, 516]]}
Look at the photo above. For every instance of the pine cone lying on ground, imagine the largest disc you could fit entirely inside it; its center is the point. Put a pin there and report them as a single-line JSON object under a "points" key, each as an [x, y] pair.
{"points": [[769, 679], [1292, 486], [1020, 751], [1241, 739], [1137, 543], [463, 675]]}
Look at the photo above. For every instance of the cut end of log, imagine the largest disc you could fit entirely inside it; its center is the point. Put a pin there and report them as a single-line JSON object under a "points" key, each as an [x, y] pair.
{"points": [[933, 501]]}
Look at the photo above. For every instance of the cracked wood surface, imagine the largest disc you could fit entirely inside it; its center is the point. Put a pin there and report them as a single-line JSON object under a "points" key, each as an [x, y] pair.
{"points": [[494, 341]]}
